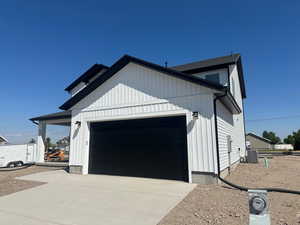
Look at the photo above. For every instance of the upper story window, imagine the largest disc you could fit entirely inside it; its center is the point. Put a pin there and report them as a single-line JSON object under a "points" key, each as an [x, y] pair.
{"points": [[215, 78]]}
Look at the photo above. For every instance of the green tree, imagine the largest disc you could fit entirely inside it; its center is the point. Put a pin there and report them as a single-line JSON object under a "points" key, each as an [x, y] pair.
{"points": [[293, 139], [272, 137], [48, 143], [289, 140]]}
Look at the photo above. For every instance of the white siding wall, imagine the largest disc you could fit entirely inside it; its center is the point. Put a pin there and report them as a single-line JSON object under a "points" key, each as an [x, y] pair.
{"points": [[138, 92], [239, 130], [231, 125], [225, 129]]}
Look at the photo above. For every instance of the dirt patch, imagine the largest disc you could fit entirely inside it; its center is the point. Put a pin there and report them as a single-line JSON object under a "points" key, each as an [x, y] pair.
{"points": [[220, 204], [8, 183]]}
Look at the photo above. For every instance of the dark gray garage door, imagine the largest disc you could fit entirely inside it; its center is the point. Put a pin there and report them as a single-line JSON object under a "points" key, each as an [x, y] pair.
{"points": [[153, 148]]}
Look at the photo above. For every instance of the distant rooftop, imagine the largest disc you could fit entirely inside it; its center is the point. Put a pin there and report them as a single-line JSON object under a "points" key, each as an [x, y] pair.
{"points": [[259, 137], [3, 139]]}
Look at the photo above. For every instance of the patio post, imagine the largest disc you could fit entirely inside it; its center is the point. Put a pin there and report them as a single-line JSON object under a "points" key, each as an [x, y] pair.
{"points": [[41, 141]]}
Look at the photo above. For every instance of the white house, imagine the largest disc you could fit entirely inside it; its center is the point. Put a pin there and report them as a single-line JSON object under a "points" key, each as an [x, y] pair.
{"points": [[136, 118]]}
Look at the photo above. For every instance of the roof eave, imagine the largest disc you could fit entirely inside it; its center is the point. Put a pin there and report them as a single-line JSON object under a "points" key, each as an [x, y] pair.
{"points": [[230, 103], [81, 77], [67, 115], [241, 77]]}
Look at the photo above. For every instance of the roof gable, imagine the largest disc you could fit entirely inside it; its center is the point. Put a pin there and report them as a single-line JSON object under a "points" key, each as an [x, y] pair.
{"points": [[122, 62], [136, 86], [214, 64]]}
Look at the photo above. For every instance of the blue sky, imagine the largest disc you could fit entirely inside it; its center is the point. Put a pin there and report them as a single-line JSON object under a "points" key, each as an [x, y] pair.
{"points": [[44, 45]]}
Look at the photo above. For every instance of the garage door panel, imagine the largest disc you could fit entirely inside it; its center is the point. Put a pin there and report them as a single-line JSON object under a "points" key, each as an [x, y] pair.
{"points": [[153, 148]]}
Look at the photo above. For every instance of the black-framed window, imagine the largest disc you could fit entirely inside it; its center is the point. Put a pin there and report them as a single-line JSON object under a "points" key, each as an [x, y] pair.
{"points": [[215, 77]]}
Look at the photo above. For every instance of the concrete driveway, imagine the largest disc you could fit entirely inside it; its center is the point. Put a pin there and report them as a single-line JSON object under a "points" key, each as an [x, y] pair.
{"points": [[91, 200]]}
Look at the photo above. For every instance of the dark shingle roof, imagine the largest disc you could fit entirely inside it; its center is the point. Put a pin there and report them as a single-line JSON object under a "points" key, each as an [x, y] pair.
{"points": [[86, 76], [224, 60]]}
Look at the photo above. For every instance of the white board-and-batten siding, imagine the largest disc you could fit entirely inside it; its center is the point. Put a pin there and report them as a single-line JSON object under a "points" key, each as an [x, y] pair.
{"points": [[138, 92], [225, 129], [239, 125], [231, 125]]}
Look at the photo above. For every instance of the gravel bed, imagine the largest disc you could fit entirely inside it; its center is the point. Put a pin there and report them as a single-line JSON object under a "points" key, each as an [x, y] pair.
{"points": [[220, 204], [8, 183]]}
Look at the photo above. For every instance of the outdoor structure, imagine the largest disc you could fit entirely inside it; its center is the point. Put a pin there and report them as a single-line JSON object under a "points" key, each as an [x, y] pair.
{"points": [[136, 118], [60, 118], [3, 140], [258, 143]]}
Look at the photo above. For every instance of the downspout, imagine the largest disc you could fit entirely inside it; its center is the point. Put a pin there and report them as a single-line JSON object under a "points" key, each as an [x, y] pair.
{"points": [[242, 188], [246, 153], [216, 130]]}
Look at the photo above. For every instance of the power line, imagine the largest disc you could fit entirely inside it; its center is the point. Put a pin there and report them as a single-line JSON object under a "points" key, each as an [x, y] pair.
{"points": [[273, 118]]}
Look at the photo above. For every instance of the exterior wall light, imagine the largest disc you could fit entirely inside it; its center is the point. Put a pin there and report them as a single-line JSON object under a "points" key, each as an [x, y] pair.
{"points": [[195, 115]]}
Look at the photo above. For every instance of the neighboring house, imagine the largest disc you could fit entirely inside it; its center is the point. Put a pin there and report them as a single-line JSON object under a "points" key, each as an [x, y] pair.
{"points": [[141, 119], [284, 147], [64, 144], [258, 143], [65, 141], [3, 140]]}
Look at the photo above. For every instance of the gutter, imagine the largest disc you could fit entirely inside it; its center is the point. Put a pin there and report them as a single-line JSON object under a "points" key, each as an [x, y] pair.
{"points": [[216, 129]]}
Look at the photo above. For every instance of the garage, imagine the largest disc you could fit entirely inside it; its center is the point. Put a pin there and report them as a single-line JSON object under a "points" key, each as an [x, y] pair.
{"points": [[152, 148]]}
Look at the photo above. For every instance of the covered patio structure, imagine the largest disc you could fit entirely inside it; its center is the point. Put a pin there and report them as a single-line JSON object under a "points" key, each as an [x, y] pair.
{"points": [[60, 118]]}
